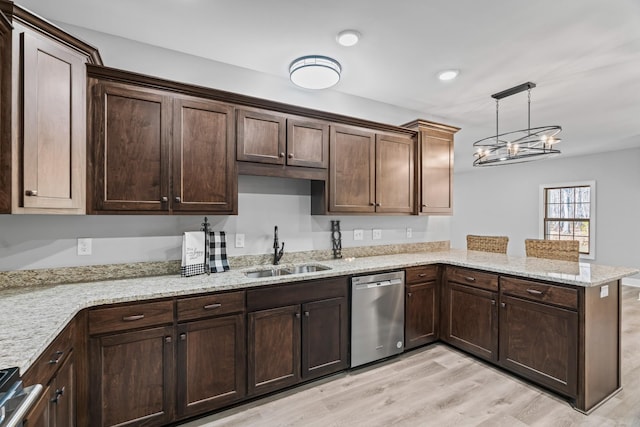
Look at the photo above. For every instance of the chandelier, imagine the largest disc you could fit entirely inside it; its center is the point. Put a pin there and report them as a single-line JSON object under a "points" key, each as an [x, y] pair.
{"points": [[517, 146]]}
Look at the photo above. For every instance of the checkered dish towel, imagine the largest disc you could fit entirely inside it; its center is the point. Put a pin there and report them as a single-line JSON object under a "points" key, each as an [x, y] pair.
{"points": [[218, 252], [193, 254]]}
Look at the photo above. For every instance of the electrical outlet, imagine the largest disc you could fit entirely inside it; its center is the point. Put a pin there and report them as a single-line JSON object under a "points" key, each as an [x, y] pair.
{"points": [[409, 233], [377, 234], [84, 246], [239, 240], [358, 234]]}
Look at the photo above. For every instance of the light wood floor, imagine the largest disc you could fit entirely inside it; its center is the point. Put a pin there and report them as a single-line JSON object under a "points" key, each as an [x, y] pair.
{"points": [[440, 386]]}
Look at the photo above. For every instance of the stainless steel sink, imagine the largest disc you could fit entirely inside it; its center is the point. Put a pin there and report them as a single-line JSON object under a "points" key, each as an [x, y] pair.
{"points": [[283, 271]]}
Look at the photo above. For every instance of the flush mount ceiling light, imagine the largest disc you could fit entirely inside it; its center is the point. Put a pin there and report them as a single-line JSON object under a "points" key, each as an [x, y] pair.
{"points": [[315, 72], [348, 37], [517, 146], [448, 75]]}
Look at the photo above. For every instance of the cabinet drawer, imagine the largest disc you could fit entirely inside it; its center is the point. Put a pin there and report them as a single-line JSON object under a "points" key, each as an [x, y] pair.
{"points": [[52, 358], [424, 273], [536, 291], [473, 278], [125, 317], [210, 305]]}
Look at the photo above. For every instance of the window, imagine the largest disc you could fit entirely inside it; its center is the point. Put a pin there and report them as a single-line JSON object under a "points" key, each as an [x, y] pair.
{"points": [[568, 211]]}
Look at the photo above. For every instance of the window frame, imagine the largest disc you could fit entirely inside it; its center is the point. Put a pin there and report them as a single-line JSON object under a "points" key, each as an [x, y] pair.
{"points": [[592, 212]]}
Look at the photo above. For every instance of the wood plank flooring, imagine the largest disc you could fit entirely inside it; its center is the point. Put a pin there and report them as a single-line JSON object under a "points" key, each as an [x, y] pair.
{"points": [[440, 386]]}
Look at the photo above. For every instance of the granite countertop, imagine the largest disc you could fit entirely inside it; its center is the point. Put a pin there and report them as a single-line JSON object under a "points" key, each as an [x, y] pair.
{"points": [[33, 316]]}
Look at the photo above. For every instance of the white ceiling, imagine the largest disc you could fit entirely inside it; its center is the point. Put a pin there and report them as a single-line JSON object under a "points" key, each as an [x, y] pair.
{"points": [[584, 55]]}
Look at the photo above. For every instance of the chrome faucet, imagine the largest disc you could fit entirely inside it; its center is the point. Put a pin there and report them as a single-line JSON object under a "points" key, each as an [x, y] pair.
{"points": [[277, 250]]}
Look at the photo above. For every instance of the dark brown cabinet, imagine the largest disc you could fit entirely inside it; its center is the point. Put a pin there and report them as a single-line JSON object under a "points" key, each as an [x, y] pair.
{"points": [[370, 172], [539, 333], [43, 132], [470, 312], [435, 167], [155, 151], [422, 316], [271, 138], [295, 333], [211, 353]]}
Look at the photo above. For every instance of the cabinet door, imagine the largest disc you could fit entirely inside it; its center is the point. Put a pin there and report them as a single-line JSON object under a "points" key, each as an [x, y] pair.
{"points": [[539, 341], [5, 115], [436, 162], [132, 128], [53, 126], [211, 364], [273, 349], [394, 174], [204, 173], [325, 337], [421, 314], [63, 399], [352, 170], [307, 143], [470, 320], [132, 379], [261, 137]]}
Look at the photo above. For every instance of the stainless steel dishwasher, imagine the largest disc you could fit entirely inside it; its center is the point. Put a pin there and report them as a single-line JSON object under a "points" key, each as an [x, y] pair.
{"points": [[377, 317]]}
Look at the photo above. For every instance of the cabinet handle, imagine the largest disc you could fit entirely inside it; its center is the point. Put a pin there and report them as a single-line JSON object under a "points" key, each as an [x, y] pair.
{"points": [[57, 357], [306, 314], [178, 199], [503, 305], [297, 315], [378, 204], [493, 302], [424, 206], [534, 292], [183, 337], [291, 155], [470, 279], [372, 204], [409, 294], [281, 154], [32, 193], [422, 275], [168, 339], [212, 306], [164, 199], [59, 392], [133, 318]]}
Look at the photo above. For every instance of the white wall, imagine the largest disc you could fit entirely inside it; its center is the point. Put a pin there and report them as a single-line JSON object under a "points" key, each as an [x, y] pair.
{"points": [[503, 200]]}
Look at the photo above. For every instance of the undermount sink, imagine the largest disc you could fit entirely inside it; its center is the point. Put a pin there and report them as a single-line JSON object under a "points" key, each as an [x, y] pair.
{"points": [[283, 271]]}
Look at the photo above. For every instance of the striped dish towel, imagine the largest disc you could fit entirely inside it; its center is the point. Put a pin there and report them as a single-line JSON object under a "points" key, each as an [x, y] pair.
{"points": [[193, 254], [218, 252]]}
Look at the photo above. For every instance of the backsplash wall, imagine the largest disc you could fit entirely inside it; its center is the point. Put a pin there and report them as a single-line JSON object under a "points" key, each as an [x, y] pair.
{"points": [[46, 241]]}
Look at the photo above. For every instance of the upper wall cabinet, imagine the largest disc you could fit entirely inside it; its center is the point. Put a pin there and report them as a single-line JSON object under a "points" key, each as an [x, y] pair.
{"points": [[270, 138], [156, 151], [5, 114], [435, 167], [369, 172], [47, 144]]}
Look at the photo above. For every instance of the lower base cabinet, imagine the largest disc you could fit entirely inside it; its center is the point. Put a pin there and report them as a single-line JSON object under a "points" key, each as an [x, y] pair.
{"points": [[56, 405], [132, 379], [422, 301], [210, 364]]}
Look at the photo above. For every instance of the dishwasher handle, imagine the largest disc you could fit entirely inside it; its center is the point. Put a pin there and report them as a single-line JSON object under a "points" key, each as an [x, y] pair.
{"points": [[382, 283]]}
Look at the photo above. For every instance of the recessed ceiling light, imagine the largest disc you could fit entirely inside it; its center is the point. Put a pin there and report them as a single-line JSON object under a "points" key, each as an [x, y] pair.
{"points": [[315, 72], [348, 37], [447, 75]]}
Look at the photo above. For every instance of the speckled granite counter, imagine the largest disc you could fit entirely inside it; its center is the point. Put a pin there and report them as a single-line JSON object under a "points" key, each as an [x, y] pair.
{"points": [[33, 316]]}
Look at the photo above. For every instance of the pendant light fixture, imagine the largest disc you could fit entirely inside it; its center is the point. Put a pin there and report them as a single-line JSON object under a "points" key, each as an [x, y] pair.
{"points": [[315, 72], [517, 146]]}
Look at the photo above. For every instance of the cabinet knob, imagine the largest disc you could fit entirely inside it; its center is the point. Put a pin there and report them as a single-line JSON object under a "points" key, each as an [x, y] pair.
{"points": [[372, 204], [168, 339], [410, 294], [378, 204], [164, 199], [178, 199], [32, 193], [503, 305], [306, 314], [297, 315], [291, 155], [183, 337], [493, 302], [281, 154], [56, 396], [424, 206], [57, 356]]}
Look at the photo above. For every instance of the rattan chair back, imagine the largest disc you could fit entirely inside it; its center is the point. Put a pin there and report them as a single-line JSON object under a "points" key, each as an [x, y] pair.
{"points": [[497, 244], [565, 250]]}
